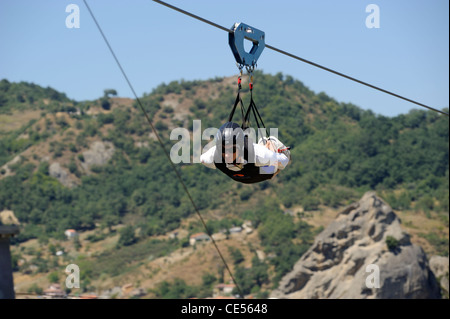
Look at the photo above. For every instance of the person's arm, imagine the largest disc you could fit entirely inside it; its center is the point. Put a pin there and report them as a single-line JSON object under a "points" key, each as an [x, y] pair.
{"points": [[207, 158], [264, 157]]}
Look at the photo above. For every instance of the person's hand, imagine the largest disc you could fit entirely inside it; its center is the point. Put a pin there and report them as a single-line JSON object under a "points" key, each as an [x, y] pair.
{"points": [[269, 145]]}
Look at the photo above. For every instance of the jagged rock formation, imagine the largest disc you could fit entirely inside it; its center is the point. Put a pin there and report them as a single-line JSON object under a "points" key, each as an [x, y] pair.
{"points": [[351, 259]]}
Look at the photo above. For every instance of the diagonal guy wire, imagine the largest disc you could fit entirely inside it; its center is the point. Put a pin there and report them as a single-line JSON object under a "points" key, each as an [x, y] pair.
{"points": [[164, 149]]}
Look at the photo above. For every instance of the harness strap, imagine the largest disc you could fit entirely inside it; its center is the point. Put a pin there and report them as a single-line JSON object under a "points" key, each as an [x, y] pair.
{"points": [[236, 102], [253, 109], [247, 113]]}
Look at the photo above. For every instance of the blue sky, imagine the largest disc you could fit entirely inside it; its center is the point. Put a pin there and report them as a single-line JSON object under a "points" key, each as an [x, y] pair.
{"points": [[408, 54]]}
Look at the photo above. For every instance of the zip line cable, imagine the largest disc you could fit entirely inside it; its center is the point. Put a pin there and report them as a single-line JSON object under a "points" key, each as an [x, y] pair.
{"points": [[269, 47], [164, 149], [301, 59]]}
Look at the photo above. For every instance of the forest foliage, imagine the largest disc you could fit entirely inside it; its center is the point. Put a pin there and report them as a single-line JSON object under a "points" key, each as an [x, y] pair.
{"points": [[338, 152]]}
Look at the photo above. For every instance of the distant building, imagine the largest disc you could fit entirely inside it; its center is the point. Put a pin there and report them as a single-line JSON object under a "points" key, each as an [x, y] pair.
{"points": [[223, 290], [247, 225], [223, 297], [129, 291], [199, 237], [88, 296], [54, 292], [173, 235], [235, 230], [219, 236], [126, 289], [70, 233]]}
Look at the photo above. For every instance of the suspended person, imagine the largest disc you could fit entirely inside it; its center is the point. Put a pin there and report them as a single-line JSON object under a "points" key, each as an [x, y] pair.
{"points": [[238, 157]]}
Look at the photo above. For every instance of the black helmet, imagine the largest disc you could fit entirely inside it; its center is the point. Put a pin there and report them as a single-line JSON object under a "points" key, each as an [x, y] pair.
{"points": [[230, 134]]}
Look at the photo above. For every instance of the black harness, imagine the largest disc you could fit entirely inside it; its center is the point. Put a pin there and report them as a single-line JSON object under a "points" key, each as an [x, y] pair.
{"points": [[250, 173]]}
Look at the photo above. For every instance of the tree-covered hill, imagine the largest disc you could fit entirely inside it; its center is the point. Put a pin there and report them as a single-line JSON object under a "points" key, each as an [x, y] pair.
{"points": [[339, 151], [23, 95]]}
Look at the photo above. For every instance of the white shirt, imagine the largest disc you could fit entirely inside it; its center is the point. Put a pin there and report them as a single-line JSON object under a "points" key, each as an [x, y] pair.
{"points": [[269, 161]]}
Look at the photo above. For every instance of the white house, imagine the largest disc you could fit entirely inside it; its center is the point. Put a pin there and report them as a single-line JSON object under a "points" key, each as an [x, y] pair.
{"points": [[223, 289], [198, 238], [54, 291], [70, 233], [235, 230]]}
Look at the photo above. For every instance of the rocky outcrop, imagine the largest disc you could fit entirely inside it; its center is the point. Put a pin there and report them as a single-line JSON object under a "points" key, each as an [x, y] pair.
{"points": [[362, 254], [439, 266], [55, 170], [98, 154], [7, 217], [6, 170]]}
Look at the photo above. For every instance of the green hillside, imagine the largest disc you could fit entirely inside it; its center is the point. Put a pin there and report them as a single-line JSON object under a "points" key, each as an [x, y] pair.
{"points": [[23, 95], [339, 151]]}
